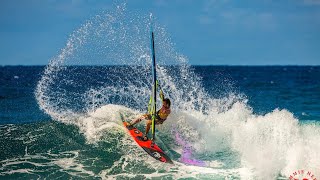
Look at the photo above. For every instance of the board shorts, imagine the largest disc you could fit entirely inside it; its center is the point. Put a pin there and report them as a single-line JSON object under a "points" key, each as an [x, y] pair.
{"points": [[149, 117]]}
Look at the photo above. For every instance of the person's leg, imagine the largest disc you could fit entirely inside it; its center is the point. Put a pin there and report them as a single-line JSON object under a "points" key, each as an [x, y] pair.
{"points": [[148, 124], [137, 120]]}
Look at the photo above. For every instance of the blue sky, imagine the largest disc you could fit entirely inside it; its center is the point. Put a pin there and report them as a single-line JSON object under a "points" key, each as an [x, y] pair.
{"points": [[208, 32]]}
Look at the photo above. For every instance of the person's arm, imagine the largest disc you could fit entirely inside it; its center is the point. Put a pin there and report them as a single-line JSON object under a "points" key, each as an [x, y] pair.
{"points": [[161, 95]]}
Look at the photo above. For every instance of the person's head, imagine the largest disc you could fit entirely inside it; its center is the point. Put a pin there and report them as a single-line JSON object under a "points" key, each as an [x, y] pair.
{"points": [[167, 103]]}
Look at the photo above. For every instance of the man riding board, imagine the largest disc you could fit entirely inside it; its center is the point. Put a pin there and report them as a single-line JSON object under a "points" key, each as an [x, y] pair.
{"points": [[161, 115]]}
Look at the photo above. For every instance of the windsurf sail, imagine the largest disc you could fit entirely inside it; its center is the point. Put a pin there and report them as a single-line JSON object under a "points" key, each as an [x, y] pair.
{"points": [[153, 98], [149, 145]]}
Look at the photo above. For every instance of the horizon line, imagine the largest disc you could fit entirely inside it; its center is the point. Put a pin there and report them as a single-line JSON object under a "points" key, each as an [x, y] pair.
{"points": [[175, 65]]}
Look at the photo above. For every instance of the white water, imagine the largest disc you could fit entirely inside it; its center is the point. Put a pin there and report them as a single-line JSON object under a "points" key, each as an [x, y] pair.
{"points": [[264, 145]]}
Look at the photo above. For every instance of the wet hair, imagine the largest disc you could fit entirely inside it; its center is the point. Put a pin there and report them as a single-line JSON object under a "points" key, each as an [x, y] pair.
{"points": [[167, 101]]}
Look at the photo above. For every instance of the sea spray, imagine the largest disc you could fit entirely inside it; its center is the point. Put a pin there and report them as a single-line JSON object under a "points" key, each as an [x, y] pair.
{"points": [[71, 88]]}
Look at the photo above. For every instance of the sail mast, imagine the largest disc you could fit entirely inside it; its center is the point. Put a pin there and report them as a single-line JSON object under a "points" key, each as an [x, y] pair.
{"points": [[154, 93]]}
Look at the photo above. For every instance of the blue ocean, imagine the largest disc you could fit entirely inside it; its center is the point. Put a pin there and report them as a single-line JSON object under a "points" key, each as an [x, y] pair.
{"points": [[62, 120]]}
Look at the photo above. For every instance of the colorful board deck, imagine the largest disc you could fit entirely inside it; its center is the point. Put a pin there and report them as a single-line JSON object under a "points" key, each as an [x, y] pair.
{"points": [[148, 145]]}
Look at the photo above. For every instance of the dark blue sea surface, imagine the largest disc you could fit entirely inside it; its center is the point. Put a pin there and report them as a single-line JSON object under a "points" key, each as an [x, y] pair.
{"points": [[295, 88], [17, 94]]}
